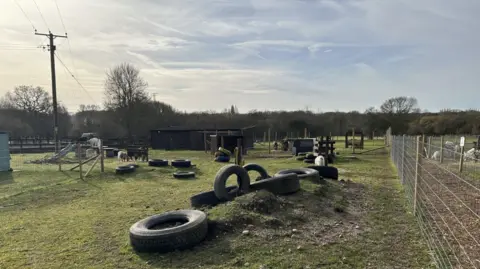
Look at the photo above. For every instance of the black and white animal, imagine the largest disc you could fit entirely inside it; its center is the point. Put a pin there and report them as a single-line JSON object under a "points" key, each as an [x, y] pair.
{"points": [[123, 156]]}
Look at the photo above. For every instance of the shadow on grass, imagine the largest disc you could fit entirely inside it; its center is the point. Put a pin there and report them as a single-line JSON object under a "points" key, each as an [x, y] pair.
{"points": [[213, 251], [6, 178]]}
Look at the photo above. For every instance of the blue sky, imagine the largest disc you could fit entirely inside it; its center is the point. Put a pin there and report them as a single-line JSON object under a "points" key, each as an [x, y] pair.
{"points": [[258, 54]]}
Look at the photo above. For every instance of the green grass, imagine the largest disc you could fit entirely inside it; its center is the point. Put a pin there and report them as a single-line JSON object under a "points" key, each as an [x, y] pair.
{"points": [[52, 219]]}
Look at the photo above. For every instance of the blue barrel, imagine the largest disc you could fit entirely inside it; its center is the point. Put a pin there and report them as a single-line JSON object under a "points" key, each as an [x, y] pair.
{"points": [[4, 152]]}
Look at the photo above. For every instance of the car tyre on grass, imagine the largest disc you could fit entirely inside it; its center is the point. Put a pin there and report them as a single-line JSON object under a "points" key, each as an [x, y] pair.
{"points": [[184, 174], [157, 163], [257, 168], [223, 174], [284, 184], [125, 169], [145, 239], [326, 171], [208, 198], [181, 163], [302, 173], [222, 159]]}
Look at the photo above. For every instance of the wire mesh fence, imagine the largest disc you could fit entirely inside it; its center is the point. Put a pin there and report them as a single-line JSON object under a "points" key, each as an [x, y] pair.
{"points": [[446, 150], [444, 201]]}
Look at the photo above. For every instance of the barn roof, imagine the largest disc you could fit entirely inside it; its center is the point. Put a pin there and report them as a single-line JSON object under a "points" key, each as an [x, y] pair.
{"points": [[210, 128]]}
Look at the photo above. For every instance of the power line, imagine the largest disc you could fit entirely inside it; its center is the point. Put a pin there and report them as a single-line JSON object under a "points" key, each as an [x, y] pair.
{"points": [[25, 14], [41, 14], [73, 76], [61, 18], [68, 39]]}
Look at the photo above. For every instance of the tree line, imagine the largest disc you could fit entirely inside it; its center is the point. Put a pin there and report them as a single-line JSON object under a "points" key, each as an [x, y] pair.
{"points": [[129, 112]]}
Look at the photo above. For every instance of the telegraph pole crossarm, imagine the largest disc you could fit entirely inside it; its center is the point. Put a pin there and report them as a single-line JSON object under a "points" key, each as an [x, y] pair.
{"points": [[52, 48]]}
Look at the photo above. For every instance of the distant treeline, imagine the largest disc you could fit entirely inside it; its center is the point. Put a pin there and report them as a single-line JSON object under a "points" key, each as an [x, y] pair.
{"points": [[129, 112]]}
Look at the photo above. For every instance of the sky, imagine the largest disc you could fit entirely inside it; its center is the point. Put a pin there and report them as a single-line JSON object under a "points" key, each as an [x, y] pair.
{"points": [[323, 55]]}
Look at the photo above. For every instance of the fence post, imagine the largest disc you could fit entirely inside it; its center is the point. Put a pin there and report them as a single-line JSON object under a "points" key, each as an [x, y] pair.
{"points": [[417, 172], [353, 140], [403, 159], [462, 151], [79, 152], [441, 149], [429, 149], [102, 156], [269, 150]]}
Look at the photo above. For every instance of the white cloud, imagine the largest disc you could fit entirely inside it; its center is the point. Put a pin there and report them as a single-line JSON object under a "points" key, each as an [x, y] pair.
{"points": [[257, 54]]}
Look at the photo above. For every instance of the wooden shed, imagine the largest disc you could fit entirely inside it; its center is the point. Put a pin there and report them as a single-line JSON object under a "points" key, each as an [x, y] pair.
{"points": [[184, 138]]}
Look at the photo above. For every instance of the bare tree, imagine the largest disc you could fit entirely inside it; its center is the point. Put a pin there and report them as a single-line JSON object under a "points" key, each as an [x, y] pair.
{"points": [[124, 87], [125, 93], [28, 98], [400, 105]]}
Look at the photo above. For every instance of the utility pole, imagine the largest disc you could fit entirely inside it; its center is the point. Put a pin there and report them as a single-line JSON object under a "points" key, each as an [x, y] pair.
{"points": [[51, 37]]}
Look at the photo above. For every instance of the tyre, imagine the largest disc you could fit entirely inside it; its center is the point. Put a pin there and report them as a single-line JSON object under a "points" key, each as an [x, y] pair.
{"points": [[222, 159], [225, 151], [310, 156], [184, 174], [243, 180], [126, 169], [302, 154], [284, 184], [257, 168], [326, 171], [300, 158], [145, 237], [309, 160], [181, 163], [302, 173], [134, 165], [157, 163], [209, 198]]}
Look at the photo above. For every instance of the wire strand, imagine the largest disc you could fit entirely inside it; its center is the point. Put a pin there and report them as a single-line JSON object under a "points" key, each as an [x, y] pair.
{"points": [[61, 18], [78, 82], [25, 14], [41, 15]]}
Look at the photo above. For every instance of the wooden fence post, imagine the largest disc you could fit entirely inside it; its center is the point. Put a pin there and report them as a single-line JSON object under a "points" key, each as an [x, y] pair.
{"points": [[269, 149], [403, 159], [462, 151], [417, 171], [102, 156], [429, 148], [441, 148], [353, 141], [79, 152]]}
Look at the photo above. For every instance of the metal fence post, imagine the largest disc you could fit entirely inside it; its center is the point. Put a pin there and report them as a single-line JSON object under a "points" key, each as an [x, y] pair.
{"points": [[417, 172]]}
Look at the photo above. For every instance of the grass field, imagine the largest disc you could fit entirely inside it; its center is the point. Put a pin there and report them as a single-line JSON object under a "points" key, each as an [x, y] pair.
{"points": [[52, 219]]}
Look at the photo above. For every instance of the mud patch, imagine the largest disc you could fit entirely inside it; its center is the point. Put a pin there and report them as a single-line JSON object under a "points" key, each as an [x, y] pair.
{"points": [[331, 212]]}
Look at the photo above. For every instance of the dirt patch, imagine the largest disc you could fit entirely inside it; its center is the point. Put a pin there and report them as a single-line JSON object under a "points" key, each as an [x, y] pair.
{"points": [[331, 212]]}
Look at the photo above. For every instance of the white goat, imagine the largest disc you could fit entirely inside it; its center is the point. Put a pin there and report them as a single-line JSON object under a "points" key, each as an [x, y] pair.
{"points": [[320, 161], [122, 156], [436, 155], [471, 154]]}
